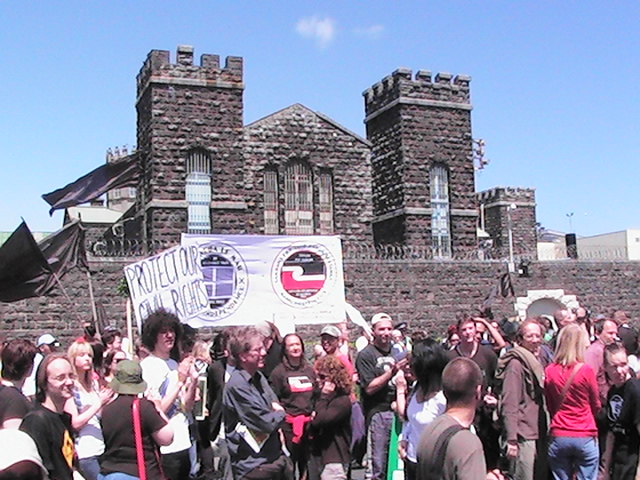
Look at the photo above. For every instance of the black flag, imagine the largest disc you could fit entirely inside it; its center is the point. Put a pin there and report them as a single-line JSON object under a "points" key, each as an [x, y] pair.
{"points": [[123, 173], [64, 250], [506, 287], [23, 267]]}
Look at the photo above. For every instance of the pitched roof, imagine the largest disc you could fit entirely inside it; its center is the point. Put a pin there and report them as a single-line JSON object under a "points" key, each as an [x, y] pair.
{"points": [[298, 106]]}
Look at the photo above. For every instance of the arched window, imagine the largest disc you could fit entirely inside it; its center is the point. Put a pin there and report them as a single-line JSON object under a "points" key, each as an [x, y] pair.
{"points": [[198, 192], [440, 223], [298, 199], [271, 225], [325, 203]]}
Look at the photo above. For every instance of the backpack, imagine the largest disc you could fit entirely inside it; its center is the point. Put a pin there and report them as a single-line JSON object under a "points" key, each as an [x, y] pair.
{"points": [[440, 449]]}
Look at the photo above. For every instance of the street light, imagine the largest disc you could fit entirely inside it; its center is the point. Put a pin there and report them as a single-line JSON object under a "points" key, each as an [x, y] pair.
{"points": [[570, 216]]}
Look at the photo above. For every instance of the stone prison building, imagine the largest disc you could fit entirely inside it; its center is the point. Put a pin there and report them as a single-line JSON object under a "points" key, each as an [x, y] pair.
{"points": [[419, 241]]}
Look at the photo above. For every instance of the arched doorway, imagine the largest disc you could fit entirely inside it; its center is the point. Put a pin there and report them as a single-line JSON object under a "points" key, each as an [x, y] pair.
{"points": [[544, 302], [544, 306]]}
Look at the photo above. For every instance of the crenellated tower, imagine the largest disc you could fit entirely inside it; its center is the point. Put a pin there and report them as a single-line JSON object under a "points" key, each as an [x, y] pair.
{"points": [[422, 166], [190, 124], [510, 208]]}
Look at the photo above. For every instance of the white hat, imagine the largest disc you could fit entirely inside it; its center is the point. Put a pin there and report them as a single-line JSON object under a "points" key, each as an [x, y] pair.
{"points": [[46, 339], [331, 330], [378, 317]]}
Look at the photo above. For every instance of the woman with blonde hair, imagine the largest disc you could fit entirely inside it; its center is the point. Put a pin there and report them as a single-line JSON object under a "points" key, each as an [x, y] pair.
{"points": [[331, 421], [572, 398], [85, 407]]}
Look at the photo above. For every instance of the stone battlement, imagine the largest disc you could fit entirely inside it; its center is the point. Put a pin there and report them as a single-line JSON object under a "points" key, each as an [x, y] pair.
{"points": [[159, 69], [507, 194], [118, 153], [442, 90]]}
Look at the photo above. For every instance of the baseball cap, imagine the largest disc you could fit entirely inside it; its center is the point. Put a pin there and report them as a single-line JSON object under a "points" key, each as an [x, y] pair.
{"points": [[331, 330], [46, 339], [128, 379], [378, 317]]}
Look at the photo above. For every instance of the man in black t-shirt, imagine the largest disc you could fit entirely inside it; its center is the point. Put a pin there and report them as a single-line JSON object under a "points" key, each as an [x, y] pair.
{"points": [[17, 363], [623, 415], [48, 424], [376, 369], [470, 347], [487, 360]]}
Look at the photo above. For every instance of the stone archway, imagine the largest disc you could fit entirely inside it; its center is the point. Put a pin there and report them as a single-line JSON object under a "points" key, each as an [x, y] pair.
{"points": [[544, 302], [543, 306]]}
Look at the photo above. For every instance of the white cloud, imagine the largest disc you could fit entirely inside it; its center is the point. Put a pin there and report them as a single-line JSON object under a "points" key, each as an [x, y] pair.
{"points": [[322, 30], [373, 32]]}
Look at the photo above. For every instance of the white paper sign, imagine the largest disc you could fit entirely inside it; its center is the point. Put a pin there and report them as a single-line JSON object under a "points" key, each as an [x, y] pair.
{"points": [[171, 280]]}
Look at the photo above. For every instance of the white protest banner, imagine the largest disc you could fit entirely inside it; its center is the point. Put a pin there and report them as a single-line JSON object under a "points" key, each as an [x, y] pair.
{"points": [[281, 279], [171, 280]]}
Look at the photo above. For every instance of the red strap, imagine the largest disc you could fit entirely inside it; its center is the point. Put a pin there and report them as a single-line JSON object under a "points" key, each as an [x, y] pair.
{"points": [[137, 430]]}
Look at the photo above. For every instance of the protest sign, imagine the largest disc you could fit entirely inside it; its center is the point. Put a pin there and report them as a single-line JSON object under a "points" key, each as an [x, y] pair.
{"points": [[287, 280], [171, 280]]}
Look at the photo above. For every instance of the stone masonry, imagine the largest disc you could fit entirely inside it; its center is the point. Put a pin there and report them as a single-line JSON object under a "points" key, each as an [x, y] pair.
{"points": [[299, 134], [497, 206], [428, 294], [381, 198], [414, 124], [182, 107]]}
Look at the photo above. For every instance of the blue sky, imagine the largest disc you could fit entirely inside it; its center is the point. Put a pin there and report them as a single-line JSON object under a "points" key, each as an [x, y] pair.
{"points": [[555, 85]]}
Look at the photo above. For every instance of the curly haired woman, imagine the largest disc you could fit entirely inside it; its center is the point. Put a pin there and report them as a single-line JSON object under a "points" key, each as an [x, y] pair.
{"points": [[331, 424]]}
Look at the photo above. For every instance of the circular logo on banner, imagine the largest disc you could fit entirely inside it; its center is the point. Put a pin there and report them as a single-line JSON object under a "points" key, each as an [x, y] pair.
{"points": [[304, 274], [225, 278]]}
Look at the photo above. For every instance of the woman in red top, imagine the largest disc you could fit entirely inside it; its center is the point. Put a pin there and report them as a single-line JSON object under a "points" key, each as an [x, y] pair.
{"points": [[573, 446]]}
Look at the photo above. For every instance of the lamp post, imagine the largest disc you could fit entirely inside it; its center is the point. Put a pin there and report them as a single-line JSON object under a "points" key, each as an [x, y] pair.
{"points": [[510, 230], [570, 216]]}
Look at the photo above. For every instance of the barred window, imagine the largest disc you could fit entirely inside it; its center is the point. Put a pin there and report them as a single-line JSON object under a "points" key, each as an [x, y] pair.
{"points": [[298, 200], [271, 226], [198, 192], [325, 200], [440, 223]]}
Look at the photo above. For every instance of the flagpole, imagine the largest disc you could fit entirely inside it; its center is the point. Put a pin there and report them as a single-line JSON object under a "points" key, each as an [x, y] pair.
{"points": [[129, 325], [64, 291], [93, 301]]}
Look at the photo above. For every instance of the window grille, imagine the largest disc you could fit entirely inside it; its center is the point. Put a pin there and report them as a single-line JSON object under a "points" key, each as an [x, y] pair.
{"points": [[298, 200], [198, 192], [440, 223], [325, 200], [271, 226]]}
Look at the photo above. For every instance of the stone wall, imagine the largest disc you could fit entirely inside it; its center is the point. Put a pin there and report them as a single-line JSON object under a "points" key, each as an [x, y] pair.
{"points": [[63, 311], [299, 134], [433, 294], [427, 294]]}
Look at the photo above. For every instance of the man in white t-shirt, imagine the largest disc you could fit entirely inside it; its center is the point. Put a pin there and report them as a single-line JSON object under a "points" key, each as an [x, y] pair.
{"points": [[172, 385]]}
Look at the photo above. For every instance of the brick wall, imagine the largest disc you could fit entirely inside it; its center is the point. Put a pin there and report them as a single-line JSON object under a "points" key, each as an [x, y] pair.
{"points": [[427, 294], [62, 316]]}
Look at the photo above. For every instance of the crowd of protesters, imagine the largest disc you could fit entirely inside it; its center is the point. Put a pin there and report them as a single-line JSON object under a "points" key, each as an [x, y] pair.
{"points": [[536, 399]]}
